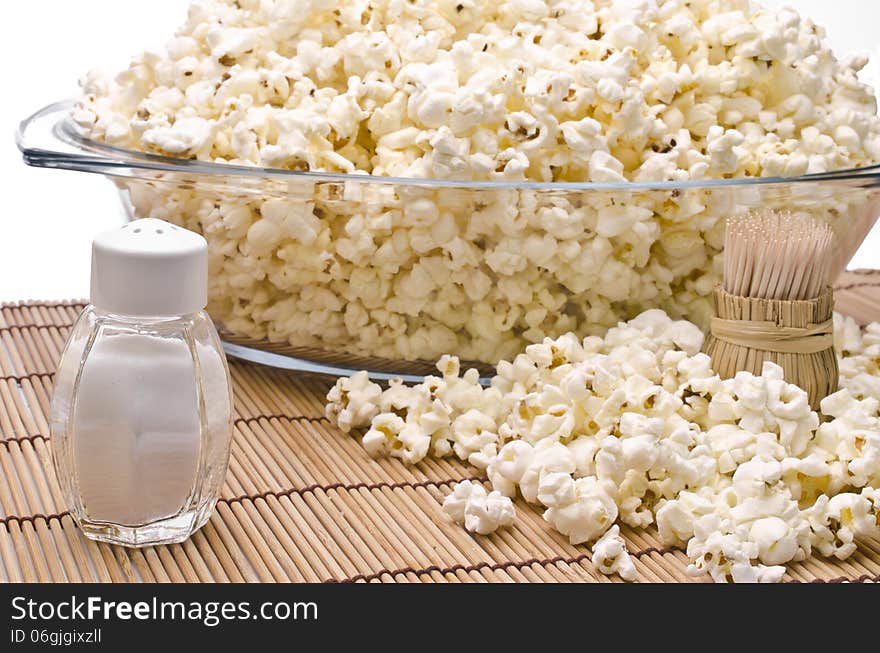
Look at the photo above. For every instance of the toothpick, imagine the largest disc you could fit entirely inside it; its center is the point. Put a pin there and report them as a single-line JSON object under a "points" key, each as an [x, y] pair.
{"points": [[777, 279], [777, 255]]}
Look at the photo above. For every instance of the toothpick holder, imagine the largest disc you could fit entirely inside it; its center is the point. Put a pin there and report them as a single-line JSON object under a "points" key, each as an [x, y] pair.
{"points": [[797, 335]]}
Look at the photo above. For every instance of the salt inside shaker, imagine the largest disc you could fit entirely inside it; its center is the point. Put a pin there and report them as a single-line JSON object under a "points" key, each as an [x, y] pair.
{"points": [[142, 409]]}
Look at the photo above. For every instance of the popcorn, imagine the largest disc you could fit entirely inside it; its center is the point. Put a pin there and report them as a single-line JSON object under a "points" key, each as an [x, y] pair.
{"points": [[767, 403], [610, 555], [597, 431], [455, 503], [807, 478], [479, 511], [353, 401], [847, 336], [185, 136], [515, 91], [837, 521], [731, 445], [556, 489], [591, 513], [726, 558], [777, 541], [676, 518], [390, 435], [510, 466], [540, 416], [473, 431], [583, 450], [487, 516], [547, 457]]}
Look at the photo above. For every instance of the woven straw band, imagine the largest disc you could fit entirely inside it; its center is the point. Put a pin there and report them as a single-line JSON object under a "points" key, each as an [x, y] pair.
{"points": [[770, 336]]}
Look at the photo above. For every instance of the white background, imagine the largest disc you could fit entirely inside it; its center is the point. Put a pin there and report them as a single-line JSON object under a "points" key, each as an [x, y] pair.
{"points": [[47, 218]]}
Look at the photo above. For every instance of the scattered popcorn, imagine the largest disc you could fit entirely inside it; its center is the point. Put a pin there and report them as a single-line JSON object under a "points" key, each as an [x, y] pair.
{"points": [[516, 91], [479, 511], [776, 540], [389, 435], [509, 467], [548, 457], [353, 402], [634, 427], [728, 559], [610, 555], [588, 515], [836, 522]]}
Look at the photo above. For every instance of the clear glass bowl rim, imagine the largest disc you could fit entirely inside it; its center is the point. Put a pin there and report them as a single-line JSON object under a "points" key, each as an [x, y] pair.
{"points": [[93, 156]]}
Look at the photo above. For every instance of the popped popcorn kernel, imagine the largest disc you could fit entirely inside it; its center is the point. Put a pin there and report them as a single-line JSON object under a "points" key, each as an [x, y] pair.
{"points": [[480, 512]]}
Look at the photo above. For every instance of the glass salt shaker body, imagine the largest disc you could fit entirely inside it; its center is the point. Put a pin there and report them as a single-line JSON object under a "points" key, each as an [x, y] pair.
{"points": [[142, 409]]}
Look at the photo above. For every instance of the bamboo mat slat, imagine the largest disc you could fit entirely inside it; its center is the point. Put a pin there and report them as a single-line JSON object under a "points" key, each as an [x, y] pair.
{"points": [[302, 501]]}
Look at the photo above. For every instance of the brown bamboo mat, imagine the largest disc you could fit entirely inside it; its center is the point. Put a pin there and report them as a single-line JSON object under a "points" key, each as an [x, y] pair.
{"points": [[302, 501]]}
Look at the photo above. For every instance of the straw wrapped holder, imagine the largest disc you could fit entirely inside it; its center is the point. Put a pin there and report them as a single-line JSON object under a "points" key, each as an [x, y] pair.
{"points": [[797, 335]]}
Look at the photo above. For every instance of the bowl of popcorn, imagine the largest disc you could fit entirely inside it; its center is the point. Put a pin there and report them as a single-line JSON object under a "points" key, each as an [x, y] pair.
{"points": [[384, 183]]}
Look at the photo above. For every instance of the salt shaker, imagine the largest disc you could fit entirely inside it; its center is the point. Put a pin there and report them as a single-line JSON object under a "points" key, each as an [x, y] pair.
{"points": [[142, 410]]}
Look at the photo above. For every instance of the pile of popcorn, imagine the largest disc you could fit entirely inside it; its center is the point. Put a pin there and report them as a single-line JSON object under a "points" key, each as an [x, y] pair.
{"points": [[477, 90], [636, 428], [467, 89]]}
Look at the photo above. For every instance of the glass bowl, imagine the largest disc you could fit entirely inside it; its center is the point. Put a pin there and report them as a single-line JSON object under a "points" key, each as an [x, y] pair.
{"points": [[331, 273]]}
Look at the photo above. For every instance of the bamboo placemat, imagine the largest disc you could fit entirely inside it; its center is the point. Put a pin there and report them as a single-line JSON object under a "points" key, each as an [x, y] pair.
{"points": [[302, 501]]}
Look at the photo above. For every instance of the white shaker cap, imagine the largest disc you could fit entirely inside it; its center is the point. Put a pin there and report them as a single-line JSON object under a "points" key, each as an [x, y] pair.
{"points": [[149, 268]]}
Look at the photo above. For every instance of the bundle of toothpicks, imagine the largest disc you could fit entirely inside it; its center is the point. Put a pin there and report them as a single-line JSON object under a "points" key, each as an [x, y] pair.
{"points": [[776, 303]]}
